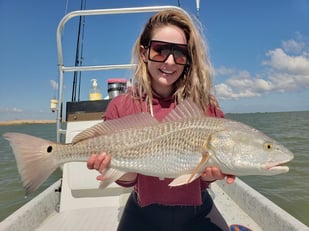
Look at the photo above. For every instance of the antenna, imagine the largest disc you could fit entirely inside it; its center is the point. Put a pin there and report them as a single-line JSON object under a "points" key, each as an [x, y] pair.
{"points": [[198, 8]]}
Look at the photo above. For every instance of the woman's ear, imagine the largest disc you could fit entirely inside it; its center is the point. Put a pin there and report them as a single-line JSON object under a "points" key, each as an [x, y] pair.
{"points": [[143, 52]]}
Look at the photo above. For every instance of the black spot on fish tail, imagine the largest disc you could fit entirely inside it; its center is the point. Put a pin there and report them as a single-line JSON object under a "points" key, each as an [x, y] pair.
{"points": [[49, 149]]}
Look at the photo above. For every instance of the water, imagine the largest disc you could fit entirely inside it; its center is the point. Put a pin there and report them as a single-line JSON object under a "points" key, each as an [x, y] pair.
{"points": [[289, 191], [12, 195]]}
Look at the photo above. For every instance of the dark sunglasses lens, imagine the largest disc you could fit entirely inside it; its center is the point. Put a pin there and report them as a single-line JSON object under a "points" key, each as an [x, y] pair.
{"points": [[159, 52], [180, 55]]}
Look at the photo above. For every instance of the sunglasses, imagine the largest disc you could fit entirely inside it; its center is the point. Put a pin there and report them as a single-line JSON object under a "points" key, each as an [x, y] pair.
{"points": [[159, 51]]}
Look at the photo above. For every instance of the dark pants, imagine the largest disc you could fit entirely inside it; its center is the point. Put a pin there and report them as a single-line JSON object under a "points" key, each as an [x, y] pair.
{"points": [[166, 218]]}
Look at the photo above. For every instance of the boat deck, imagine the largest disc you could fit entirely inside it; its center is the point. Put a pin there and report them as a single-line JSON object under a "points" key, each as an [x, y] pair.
{"points": [[83, 219], [108, 217], [238, 203]]}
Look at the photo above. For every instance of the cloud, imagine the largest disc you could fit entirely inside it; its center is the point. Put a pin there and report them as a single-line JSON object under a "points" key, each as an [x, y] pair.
{"points": [[241, 84], [297, 45], [54, 84], [281, 61], [293, 46], [286, 69], [11, 110], [18, 113]]}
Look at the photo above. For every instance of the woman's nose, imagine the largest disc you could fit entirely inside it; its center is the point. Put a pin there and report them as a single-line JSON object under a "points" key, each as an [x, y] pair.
{"points": [[170, 59]]}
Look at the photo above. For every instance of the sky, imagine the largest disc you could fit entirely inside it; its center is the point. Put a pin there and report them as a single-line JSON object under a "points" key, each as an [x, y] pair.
{"points": [[259, 51]]}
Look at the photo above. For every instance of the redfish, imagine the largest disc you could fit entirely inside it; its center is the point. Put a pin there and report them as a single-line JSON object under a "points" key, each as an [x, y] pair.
{"points": [[179, 147]]}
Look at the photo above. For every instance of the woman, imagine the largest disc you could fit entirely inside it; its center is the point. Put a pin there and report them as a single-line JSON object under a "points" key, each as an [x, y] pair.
{"points": [[172, 65]]}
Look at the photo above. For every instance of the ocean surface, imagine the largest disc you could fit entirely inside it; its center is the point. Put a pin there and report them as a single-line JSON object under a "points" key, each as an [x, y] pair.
{"points": [[290, 191]]}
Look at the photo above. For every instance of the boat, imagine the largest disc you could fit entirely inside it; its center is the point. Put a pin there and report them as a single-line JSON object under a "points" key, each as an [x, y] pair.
{"points": [[74, 202]]}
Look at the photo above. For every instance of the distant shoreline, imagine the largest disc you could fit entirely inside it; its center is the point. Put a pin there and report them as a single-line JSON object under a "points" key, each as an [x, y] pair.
{"points": [[18, 122]]}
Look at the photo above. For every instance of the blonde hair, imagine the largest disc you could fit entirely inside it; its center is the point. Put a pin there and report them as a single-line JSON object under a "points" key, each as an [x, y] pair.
{"points": [[195, 82]]}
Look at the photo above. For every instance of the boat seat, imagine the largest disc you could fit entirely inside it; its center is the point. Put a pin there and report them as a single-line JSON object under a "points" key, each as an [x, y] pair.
{"points": [[80, 189]]}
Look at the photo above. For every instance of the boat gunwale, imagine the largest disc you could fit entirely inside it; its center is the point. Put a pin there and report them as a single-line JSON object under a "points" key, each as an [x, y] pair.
{"points": [[34, 212]]}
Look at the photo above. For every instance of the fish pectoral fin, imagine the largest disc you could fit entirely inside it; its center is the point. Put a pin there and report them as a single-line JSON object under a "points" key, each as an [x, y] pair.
{"points": [[110, 176], [205, 158], [188, 178], [183, 179]]}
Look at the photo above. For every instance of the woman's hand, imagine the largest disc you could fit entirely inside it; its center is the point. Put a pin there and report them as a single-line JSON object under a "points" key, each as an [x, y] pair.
{"points": [[102, 162], [214, 173], [99, 162]]}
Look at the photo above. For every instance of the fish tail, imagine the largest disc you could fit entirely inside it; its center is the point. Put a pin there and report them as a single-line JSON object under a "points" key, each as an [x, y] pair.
{"points": [[34, 161]]}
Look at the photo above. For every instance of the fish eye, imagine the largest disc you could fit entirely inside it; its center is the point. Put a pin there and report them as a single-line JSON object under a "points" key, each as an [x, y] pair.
{"points": [[268, 146]]}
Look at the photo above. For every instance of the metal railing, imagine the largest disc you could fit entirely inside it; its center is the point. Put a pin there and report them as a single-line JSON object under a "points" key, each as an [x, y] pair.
{"points": [[62, 68]]}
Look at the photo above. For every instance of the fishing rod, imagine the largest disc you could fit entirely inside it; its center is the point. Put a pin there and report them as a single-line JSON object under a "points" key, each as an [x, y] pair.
{"points": [[79, 55]]}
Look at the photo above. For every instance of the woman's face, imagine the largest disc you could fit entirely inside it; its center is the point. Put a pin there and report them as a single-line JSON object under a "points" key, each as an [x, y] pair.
{"points": [[164, 74]]}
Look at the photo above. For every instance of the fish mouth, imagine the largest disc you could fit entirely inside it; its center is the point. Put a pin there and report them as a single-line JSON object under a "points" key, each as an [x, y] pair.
{"points": [[277, 169]]}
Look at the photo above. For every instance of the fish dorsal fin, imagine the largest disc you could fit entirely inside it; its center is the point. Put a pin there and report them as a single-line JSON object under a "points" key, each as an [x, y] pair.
{"points": [[184, 110], [111, 126]]}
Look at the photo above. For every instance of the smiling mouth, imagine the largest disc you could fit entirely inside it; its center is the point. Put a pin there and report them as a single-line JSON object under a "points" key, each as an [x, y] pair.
{"points": [[166, 71]]}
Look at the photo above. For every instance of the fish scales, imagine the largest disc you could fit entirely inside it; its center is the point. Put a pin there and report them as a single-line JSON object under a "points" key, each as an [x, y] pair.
{"points": [[168, 148]]}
